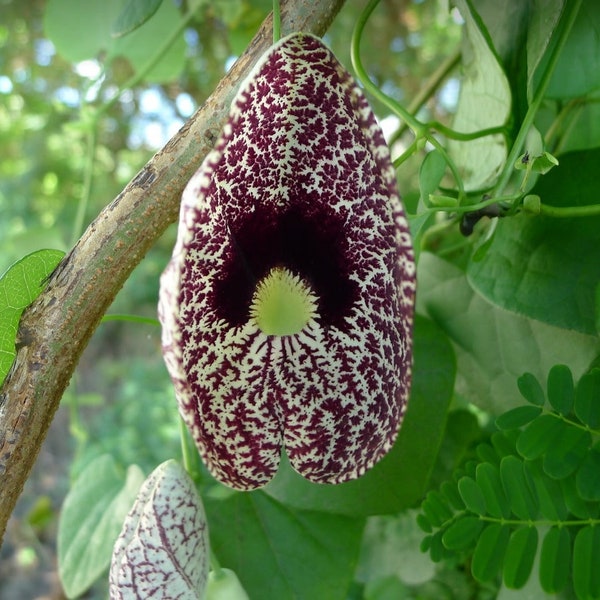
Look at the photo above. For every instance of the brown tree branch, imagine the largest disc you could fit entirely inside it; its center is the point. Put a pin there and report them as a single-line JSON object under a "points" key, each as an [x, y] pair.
{"points": [[56, 328]]}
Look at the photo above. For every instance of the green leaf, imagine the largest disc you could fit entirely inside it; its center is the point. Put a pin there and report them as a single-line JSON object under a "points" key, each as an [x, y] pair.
{"points": [[472, 495], [517, 417], [484, 101], [488, 480], [588, 476], [587, 406], [400, 479], [548, 492], [555, 560], [489, 552], [450, 491], [462, 533], [561, 390], [271, 547], [20, 285], [531, 389], [134, 14], [487, 372], [542, 24], [436, 508], [573, 76], [82, 30], [544, 267], [565, 455], [520, 554], [522, 501], [575, 503], [538, 436], [91, 519], [586, 558]]}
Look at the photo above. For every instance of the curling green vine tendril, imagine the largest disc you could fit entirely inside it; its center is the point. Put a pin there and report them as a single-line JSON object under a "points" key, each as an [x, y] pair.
{"points": [[276, 21], [419, 129]]}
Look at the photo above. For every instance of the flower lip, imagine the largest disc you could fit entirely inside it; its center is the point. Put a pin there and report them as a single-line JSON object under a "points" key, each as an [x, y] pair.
{"points": [[308, 243]]}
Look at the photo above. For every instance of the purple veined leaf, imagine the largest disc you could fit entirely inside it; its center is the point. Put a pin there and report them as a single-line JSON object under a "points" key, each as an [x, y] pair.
{"points": [[287, 307], [163, 549]]}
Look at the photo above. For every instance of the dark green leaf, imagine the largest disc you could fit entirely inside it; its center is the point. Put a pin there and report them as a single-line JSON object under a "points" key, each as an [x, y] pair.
{"points": [[567, 82], [531, 389], [450, 491], [587, 399], [544, 267], [586, 558], [588, 477], [548, 491], [462, 533], [538, 436], [565, 455], [505, 442], [489, 552], [472, 495], [424, 524], [488, 480], [400, 479], [272, 547], [561, 389], [487, 453], [522, 501], [517, 417], [555, 560], [91, 519], [575, 503], [20, 285], [437, 550], [134, 14], [436, 508], [519, 556]]}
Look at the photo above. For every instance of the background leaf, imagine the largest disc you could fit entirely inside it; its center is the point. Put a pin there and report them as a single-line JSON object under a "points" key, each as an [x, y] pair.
{"points": [[494, 346], [20, 285], [91, 519], [134, 14], [484, 101], [272, 547], [548, 268]]}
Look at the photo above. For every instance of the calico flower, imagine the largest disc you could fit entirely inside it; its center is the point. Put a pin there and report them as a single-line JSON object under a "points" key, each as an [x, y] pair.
{"points": [[287, 307], [163, 549]]}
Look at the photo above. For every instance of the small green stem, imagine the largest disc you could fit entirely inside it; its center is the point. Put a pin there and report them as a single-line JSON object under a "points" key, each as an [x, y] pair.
{"points": [[88, 176], [276, 21], [131, 319], [571, 10], [566, 212], [428, 89]]}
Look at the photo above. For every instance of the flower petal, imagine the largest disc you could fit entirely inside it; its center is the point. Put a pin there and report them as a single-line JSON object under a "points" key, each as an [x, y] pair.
{"points": [[163, 549], [301, 178]]}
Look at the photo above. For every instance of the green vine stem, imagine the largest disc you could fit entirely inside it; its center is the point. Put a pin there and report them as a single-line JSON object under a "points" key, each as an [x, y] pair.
{"points": [[276, 21]]}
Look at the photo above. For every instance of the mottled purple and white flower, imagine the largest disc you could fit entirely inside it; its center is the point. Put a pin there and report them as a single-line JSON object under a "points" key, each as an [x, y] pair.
{"points": [[287, 307], [163, 549]]}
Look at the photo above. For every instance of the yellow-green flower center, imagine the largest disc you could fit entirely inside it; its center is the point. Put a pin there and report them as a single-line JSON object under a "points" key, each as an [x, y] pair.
{"points": [[282, 303]]}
